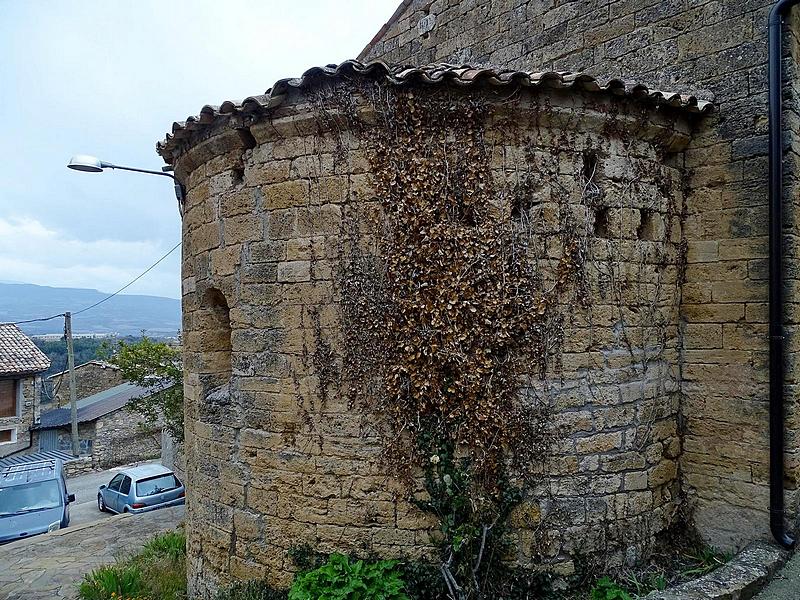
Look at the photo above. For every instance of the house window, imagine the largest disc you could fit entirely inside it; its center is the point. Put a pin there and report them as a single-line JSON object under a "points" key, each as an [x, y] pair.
{"points": [[8, 398], [8, 436]]}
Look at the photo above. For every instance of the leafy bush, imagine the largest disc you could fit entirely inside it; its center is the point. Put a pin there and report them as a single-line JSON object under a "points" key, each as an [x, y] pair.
{"points": [[608, 589], [423, 580], [340, 579]]}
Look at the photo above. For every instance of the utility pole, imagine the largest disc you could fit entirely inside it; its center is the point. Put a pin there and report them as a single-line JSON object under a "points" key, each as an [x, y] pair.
{"points": [[73, 403]]}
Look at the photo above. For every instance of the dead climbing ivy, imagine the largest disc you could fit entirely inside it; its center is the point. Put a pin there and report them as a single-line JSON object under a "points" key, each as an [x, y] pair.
{"points": [[455, 307], [454, 293]]}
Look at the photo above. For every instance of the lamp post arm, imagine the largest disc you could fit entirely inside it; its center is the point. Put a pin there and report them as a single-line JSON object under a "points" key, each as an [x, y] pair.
{"points": [[106, 165], [180, 192]]}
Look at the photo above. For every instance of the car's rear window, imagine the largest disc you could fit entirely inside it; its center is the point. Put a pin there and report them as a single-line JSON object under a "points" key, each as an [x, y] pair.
{"points": [[156, 485]]}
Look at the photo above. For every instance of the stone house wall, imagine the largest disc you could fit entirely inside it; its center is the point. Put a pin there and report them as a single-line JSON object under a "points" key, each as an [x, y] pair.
{"points": [[173, 455], [90, 378], [717, 49], [27, 412], [86, 438], [262, 230], [121, 438], [118, 438]]}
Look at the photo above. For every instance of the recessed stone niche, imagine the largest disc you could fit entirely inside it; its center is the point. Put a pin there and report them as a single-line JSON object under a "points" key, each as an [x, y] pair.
{"points": [[281, 197]]}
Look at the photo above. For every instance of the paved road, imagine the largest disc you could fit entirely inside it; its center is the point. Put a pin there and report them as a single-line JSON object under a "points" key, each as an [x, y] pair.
{"points": [[49, 567], [84, 510], [785, 585]]}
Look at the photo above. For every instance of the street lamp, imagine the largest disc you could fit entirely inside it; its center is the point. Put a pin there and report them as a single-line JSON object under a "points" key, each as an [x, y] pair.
{"points": [[92, 164]]}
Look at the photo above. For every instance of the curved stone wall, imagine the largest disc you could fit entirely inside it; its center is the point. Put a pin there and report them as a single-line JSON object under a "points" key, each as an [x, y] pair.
{"points": [[277, 457]]}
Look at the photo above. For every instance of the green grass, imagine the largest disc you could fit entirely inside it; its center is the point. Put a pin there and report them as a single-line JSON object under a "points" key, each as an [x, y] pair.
{"points": [[157, 572], [702, 561]]}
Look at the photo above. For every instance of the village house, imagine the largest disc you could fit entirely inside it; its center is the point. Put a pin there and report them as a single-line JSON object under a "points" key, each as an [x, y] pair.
{"points": [[90, 377], [21, 365], [618, 150], [110, 433]]}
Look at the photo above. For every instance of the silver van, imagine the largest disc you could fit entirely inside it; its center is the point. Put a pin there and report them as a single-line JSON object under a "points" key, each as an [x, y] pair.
{"points": [[33, 499]]}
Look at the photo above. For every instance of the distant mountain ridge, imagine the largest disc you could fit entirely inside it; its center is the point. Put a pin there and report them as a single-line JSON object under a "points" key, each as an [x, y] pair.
{"points": [[123, 314]]}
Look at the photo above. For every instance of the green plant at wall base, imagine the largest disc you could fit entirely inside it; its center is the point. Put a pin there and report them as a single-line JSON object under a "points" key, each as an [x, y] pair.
{"points": [[157, 572], [156, 366], [703, 561], [608, 589], [250, 590], [101, 583], [343, 579], [171, 544], [641, 585], [472, 519]]}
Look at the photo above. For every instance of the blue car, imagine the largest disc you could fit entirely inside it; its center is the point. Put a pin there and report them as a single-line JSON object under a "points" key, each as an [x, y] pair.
{"points": [[33, 499], [141, 489]]}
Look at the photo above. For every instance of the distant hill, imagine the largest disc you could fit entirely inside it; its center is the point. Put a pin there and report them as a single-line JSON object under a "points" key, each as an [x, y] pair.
{"points": [[123, 314]]}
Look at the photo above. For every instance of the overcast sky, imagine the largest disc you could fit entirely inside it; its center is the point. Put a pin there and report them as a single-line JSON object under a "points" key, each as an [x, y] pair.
{"points": [[108, 78]]}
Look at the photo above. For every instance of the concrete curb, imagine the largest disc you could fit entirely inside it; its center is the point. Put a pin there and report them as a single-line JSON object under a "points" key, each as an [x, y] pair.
{"points": [[740, 579]]}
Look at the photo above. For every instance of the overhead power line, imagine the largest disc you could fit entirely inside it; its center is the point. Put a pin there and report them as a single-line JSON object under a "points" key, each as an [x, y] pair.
{"points": [[130, 283], [107, 298], [36, 320]]}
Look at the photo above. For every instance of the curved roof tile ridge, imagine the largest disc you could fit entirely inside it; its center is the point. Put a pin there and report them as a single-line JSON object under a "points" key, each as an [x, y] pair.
{"points": [[435, 73]]}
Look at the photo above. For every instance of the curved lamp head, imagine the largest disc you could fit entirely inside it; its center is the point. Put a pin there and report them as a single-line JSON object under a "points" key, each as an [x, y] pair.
{"points": [[89, 164]]}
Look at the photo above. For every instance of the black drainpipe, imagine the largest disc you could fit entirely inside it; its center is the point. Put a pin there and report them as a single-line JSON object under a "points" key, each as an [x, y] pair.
{"points": [[777, 522]]}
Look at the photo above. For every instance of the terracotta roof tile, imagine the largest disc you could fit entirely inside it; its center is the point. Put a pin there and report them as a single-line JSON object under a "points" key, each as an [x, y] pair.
{"points": [[185, 132], [18, 354]]}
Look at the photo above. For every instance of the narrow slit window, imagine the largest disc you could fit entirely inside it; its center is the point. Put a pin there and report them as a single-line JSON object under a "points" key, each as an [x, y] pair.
{"points": [[215, 323], [647, 225], [601, 222], [590, 164]]}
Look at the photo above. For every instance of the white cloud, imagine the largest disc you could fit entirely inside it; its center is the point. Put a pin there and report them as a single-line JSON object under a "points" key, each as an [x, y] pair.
{"points": [[33, 253]]}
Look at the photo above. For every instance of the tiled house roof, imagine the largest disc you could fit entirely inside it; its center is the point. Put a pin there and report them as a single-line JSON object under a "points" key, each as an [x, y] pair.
{"points": [[97, 363], [184, 133], [18, 354], [95, 406]]}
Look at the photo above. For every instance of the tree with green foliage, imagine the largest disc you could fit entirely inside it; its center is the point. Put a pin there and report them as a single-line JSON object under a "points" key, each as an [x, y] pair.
{"points": [[156, 366], [85, 349]]}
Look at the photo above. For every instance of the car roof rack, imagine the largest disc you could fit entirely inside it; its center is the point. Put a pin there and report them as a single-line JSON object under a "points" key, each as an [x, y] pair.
{"points": [[29, 466], [10, 472]]}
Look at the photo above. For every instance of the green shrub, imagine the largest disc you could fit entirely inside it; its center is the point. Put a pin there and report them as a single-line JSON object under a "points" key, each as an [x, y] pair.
{"points": [[608, 589], [340, 579], [122, 580]]}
